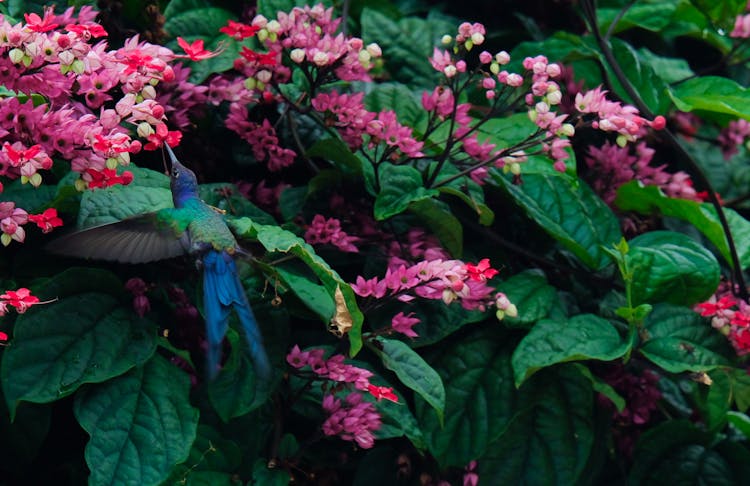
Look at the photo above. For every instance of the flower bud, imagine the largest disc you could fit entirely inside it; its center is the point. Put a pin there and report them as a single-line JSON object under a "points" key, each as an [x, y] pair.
{"points": [[450, 71], [320, 58], [554, 97], [511, 310], [364, 57], [112, 163], [494, 68], [502, 58], [148, 92], [374, 50], [16, 55], [273, 26], [461, 66], [144, 130], [78, 66], [65, 57], [446, 39], [80, 185], [488, 83], [297, 55], [485, 57], [477, 38], [262, 35], [468, 44], [250, 83], [264, 76], [567, 130], [36, 179]]}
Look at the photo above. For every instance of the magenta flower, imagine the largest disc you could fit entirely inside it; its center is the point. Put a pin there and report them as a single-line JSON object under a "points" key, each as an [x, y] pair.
{"points": [[404, 324]]}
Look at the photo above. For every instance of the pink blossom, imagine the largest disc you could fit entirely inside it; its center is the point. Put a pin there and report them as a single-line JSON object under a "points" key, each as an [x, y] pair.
{"points": [[322, 230], [353, 420], [11, 221], [404, 324]]}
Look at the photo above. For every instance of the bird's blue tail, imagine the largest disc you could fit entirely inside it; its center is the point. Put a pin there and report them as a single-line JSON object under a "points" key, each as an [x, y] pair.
{"points": [[223, 290]]}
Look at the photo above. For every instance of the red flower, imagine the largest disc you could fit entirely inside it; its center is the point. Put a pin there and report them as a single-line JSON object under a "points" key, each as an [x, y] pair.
{"points": [[267, 59], [195, 51], [21, 299], [482, 271], [18, 157], [710, 308], [87, 31], [161, 135], [238, 30], [3, 337], [108, 177], [37, 24], [47, 220], [381, 392]]}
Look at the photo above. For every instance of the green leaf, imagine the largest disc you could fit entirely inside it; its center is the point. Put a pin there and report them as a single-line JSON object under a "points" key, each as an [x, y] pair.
{"points": [[413, 371], [679, 339], [602, 387], [211, 453], [653, 16], [549, 342], [141, 424], [712, 94], [236, 390], [721, 13], [740, 421], [314, 296], [676, 452], [669, 69], [85, 337], [479, 397], [274, 238], [227, 197], [262, 474], [570, 212], [671, 267], [32, 199], [634, 196], [338, 153], [398, 98], [438, 321], [204, 23], [403, 42], [650, 86], [400, 185], [438, 217], [531, 294], [550, 441]]}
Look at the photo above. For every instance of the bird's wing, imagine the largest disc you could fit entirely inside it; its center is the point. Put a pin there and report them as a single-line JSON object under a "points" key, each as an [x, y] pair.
{"points": [[139, 239]]}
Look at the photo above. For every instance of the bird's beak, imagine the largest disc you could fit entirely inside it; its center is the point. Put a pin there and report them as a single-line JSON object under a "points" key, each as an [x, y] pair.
{"points": [[172, 156]]}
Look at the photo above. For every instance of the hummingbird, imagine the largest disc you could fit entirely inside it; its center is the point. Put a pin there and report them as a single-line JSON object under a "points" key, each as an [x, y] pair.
{"points": [[192, 227]]}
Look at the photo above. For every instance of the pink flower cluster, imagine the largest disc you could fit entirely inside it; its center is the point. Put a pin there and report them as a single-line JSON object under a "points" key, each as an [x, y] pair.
{"points": [[612, 166], [446, 280], [612, 116], [261, 137], [354, 419], [12, 220], [734, 135], [324, 231], [138, 288], [348, 114], [730, 316]]}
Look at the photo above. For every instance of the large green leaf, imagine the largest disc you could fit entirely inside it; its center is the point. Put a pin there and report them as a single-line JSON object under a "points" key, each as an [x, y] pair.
{"points": [[400, 185], [712, 94], [32, 199], [585, 336], [721, 13], [480, 397], [531, 294], [274, 238], [148, 192], [398, 98], [404, 42], [413, 371], [438, 217], [650, 15], [210, 453], [550, 441], [676, 452], [204, 23], [678, 339], [141, 424], [671, 267], [570, 212], [437, 320], [634, 196], [85, 337]]}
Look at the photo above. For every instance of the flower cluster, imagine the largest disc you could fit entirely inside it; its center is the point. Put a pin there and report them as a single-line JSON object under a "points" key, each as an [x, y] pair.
{"points": [[612, 166], [12, 220], [357, 125], [741, 28], [730, 316], [323, 231], [138, 288], [734, 135], [261, 137], [354, 419], [613, 116], [446, 280]]}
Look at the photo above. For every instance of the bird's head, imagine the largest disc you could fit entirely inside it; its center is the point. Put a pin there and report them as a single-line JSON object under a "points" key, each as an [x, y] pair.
{"points": [[182, 180]]}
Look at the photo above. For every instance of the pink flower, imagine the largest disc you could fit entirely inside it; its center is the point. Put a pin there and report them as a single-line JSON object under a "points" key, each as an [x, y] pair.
{"points": [[106, 178], [11, 221], [38, 24], [353, 420], [404, 324], [238, 30], [297, 358], [322, 231]]}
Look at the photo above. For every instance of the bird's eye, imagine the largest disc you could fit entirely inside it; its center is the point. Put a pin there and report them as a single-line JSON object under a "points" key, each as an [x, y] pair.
{"points": [[175, 173]]}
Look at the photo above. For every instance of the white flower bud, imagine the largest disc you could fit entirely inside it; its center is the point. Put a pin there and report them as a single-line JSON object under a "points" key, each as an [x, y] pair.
{"points": [[446, 39], [374, 50], [297, 55]]}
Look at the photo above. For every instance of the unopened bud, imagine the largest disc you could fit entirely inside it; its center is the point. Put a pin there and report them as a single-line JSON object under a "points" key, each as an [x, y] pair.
{"points": [[250, 83], [78, 66], [468, 44], [144, 130], [446, 39], [494, 68], [148, 92], [16, 55], [450, 71], [477, 38], [555, 97], [567, 130], [112, 163], [502, 58], [374, 50], [297, 55], [364, 57], [273, 26], [80, 185], [36, 179], [320, 58], [262, 35], [264, 76]]}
